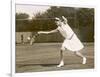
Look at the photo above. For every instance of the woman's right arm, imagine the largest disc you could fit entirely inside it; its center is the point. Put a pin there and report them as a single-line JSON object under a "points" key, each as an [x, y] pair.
{"points": [[48, 32]]}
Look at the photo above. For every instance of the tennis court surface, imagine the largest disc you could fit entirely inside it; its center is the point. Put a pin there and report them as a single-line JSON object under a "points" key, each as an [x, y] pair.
{"points": [[42, 57]]}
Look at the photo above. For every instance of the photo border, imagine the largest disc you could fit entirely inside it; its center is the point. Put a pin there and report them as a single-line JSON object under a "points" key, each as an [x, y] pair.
{"points": [[13, 3]]}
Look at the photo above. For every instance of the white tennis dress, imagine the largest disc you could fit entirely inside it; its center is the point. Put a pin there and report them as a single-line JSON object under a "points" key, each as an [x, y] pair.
{"points": [[71, 41]]}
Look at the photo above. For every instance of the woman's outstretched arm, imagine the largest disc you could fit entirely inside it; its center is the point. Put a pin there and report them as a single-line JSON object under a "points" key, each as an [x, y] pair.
{"points": [[48, 32]]}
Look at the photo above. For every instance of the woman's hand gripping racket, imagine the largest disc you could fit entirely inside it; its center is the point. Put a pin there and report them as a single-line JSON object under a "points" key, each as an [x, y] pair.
{"points": [[33, 38]]}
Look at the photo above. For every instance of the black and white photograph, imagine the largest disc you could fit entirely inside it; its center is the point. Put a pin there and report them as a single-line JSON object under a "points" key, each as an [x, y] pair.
{"points": [[53, 38], [50, 38]]}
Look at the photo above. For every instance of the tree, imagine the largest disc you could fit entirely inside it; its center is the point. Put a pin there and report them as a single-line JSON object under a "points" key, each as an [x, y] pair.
{"points": [[22, 16], [85, 24], [85, 17], [21, 24], [49, 24]]}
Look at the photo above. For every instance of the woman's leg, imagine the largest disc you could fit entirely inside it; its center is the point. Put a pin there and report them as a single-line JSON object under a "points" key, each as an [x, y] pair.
{"points": [[81, 55], [61, 59]]}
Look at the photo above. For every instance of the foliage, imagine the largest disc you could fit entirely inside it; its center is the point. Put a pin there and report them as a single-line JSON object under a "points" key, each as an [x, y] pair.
{"points": [[79, 18]]}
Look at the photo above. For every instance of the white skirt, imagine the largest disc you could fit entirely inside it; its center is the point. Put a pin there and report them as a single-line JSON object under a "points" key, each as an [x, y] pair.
{"points": [[73, 45]]}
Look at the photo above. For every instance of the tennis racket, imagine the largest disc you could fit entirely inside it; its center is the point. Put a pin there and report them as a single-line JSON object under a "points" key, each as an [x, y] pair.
{"points": [[33, 38]]}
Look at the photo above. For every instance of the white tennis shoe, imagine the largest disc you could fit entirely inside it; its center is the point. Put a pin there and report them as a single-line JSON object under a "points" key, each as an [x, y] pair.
{"points": [[61, 64]]}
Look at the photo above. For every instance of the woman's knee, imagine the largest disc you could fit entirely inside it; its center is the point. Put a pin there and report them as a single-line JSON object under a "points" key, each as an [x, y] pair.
{"points": [[76, 52], [62, 48]]}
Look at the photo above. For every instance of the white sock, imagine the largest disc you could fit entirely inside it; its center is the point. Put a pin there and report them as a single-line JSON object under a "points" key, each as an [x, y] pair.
{"points": [[84, 60]]}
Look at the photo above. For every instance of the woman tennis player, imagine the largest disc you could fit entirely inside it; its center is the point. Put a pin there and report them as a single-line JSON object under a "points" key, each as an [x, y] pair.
{"points": [[71, 42]]}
